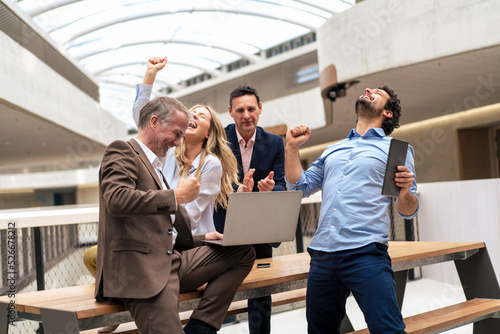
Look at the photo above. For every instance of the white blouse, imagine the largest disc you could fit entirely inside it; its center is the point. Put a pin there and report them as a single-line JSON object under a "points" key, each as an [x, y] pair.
{"points": [[202, 208]]}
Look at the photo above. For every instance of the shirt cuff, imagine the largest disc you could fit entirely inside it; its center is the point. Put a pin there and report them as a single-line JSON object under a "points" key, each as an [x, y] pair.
{"points": [[293, 186], [143, 92], [413, 215]]}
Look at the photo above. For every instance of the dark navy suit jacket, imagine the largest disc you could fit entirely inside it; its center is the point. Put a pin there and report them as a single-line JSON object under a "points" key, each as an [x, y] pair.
{"points": [[268, 155]]}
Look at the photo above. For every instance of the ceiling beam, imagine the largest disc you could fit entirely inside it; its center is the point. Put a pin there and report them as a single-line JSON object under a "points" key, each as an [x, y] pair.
{"points": [[132, 17], [252, 58], [210, 71]]}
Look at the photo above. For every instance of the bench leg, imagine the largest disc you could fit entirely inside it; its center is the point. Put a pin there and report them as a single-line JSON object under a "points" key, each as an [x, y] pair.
{"points": [[479, 281], [56, 322], [346, 326], [4, 318], [401, 278], [487, 326], [478, 276]]}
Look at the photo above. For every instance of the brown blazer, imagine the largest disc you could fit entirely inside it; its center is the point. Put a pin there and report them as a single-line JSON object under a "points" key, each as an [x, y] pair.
{"points": [[135, 229]]}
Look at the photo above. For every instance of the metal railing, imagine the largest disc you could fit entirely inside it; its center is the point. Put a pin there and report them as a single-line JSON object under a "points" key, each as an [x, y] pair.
{"points": [[42, 248]]}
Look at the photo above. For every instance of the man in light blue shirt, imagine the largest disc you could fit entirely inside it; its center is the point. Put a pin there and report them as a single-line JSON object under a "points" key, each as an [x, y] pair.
{"points": [[349, 249]]}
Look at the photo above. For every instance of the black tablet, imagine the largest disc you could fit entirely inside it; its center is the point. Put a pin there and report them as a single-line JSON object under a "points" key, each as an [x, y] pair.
{"points": [[397, 157]]}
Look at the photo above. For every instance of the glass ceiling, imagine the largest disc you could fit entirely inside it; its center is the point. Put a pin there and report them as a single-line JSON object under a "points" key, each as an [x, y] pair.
{"points": [[113, 39]]}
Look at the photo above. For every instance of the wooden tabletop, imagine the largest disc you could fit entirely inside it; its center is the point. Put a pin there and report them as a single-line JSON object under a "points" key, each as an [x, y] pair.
{"points": [[403, 251], [292, 267], [283, 269]]}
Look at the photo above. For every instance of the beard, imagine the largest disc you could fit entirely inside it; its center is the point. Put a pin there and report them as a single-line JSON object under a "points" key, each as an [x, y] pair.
{"points": [[365, 109]]}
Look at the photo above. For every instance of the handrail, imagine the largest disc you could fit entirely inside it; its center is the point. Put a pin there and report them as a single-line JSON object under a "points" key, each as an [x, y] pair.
{"points": [[48, 216], [314, 198], [70, 214]]}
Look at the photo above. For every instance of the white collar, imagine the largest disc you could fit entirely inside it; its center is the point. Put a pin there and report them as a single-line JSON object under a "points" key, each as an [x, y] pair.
{"points": [[153, 158]]}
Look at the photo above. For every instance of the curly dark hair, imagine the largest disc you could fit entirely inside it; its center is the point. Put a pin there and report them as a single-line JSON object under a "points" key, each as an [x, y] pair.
{"points": [[242, 91], [393, 104]]}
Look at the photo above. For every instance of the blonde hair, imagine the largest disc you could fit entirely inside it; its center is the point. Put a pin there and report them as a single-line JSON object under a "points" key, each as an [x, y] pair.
{"points": [[217, 145]]}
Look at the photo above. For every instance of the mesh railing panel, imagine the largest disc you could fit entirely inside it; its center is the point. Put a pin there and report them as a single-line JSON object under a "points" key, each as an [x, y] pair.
{"points": [[63, 248]]}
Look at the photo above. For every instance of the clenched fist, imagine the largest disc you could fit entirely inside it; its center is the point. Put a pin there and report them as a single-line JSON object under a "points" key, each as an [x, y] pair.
{"points": [[187, 190], [297, 136]]}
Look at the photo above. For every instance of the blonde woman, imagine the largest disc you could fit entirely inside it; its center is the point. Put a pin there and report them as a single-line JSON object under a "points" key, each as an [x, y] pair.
{"points": [[203, 153]]}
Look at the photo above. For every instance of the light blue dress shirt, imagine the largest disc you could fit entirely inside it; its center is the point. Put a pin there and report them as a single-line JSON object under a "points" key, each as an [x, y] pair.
{"points": [[202, 208], [350, 174]]}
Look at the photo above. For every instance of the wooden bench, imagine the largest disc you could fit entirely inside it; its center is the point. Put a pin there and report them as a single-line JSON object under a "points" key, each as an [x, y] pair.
{"points": [[450, 317], [237, 307], [77, 307]]}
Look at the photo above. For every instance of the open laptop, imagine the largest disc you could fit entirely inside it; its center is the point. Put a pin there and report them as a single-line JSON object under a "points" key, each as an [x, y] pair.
{"points": [[260, 217]]}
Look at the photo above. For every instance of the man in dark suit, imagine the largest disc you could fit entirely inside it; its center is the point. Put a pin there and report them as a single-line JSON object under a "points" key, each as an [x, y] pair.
{"points": [[260, 157], [146, 252]]}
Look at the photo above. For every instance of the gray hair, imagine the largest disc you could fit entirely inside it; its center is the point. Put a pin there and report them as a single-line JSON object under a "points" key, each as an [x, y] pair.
{"points": [[163, 107]]}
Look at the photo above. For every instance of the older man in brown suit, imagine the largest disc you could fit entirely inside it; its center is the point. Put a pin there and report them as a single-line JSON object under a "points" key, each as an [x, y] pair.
{"points": [[146, 252]]}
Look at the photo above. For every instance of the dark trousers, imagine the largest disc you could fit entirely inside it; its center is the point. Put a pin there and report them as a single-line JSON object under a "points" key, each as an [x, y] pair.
{"points": [[222, 268], [259, 309], [367, 273], [259, 315]]}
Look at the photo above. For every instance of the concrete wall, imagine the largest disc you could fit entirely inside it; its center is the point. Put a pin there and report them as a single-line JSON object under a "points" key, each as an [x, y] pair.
{"points": [[37, 189], [436, 141], [27, 199], [38, 89], [88, 194], [363, 40], [464, 211], [50, 180]]}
